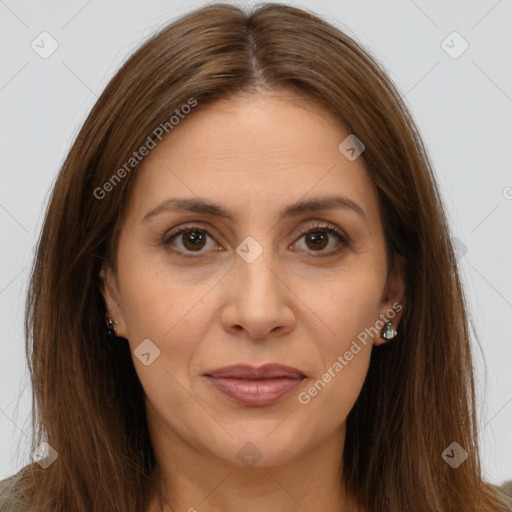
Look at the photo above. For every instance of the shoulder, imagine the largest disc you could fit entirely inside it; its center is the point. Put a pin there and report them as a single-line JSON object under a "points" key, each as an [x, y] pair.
{"points": [[9, 498], [7, 485], [505, 490]]}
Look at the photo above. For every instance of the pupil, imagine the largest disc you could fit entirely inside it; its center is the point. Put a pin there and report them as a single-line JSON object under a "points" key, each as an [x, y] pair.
{"points": [[194, 238], [317, 239]]}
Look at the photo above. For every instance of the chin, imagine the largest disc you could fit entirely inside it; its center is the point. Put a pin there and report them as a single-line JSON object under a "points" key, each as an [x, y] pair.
{"points": [[258, 446]]}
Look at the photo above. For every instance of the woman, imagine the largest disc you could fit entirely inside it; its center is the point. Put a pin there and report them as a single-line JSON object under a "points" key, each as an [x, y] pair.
{"points": [[250, 209]]}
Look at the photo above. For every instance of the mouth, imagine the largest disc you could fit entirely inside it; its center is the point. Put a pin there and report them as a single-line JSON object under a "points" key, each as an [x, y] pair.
{"points": [[256, 387]]}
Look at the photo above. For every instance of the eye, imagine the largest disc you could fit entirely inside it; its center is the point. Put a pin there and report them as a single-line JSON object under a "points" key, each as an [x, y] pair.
{"points": [[194, 238], [319, 236]]}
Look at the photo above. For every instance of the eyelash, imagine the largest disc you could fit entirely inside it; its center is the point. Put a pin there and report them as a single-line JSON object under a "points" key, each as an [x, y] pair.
{"points": [[319, 227]]}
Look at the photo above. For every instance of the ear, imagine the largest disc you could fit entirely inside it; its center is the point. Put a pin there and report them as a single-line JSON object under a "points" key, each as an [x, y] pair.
{"points": [[393, 298], [110, 291]]}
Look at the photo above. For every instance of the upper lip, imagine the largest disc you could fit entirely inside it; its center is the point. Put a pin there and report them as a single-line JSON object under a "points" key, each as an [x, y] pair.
{"points": [[267, 371]]}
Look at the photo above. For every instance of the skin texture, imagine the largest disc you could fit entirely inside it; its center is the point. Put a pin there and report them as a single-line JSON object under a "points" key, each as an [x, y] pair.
{"points": [[293, 305]]}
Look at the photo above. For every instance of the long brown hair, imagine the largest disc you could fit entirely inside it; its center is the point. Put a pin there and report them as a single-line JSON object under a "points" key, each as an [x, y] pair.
{"points": [[88, 404]]}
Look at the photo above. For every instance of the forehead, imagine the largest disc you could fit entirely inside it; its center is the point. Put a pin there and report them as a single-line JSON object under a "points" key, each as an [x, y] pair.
{"points": [[254, 152], [277, 130]]}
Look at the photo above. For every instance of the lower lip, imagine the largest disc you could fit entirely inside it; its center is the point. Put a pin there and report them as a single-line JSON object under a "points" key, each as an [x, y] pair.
{"points": [[255, 392]]}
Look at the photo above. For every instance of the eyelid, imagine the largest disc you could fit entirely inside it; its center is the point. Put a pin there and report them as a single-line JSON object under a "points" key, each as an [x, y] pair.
{"points": [[173, 233], [326, 226], [183, 229]]}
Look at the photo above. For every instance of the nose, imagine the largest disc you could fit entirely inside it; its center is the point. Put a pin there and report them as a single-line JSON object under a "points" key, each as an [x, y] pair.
{"points": [[259, 300]]}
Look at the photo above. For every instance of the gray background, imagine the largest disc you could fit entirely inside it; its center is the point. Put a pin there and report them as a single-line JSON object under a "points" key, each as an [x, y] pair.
{"points": [[462, 106]]}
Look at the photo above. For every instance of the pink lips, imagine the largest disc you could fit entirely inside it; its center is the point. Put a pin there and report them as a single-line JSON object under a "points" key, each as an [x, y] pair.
{"points": [[256, 387]]}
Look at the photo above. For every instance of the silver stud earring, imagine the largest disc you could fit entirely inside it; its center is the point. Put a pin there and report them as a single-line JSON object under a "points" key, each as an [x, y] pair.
{"points": [[387, 332]]}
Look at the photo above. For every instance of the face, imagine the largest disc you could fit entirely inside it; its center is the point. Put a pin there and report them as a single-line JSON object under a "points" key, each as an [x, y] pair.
{"points": [[253, 280]]}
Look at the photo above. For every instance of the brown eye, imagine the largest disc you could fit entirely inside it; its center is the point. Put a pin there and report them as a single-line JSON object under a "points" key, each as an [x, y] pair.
{"points": [[190, 239], [317, 239], [193, 240]]}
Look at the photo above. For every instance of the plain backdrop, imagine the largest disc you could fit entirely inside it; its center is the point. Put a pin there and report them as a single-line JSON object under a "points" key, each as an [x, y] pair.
{"points": [[450, 60]]}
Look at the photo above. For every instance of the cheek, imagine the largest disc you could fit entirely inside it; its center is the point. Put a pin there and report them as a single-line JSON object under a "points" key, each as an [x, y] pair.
{"points": [[343, 357], [331, 396], [161, 306], [149, 300], [348, 304], [349, 309]]}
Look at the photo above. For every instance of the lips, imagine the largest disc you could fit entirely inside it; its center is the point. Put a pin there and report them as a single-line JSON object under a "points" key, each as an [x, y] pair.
{"points": [[267, 371], [256, 387]]}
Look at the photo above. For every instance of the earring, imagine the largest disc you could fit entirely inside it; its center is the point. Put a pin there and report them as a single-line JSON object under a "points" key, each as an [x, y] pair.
{"points": [[111, 328], [387, 332]]}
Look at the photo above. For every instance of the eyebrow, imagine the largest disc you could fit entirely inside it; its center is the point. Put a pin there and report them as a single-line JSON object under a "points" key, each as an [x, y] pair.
{"points": [[197, 205]]}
